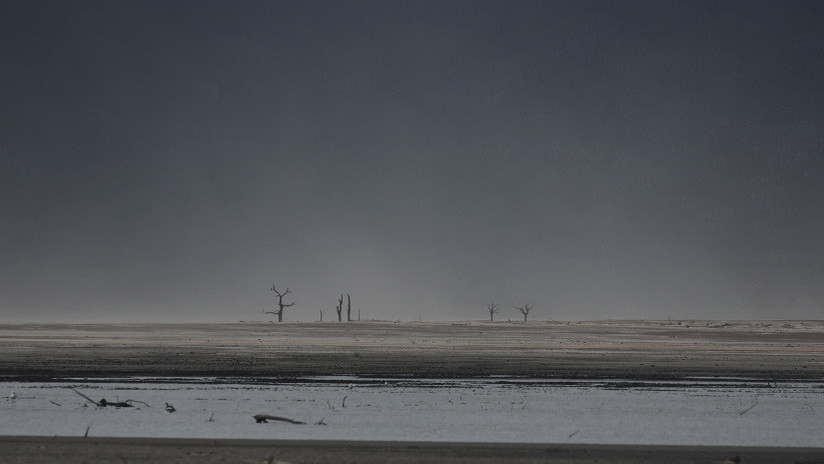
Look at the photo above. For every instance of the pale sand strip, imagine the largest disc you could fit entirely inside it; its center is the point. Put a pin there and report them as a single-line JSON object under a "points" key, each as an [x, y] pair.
{"points": [[769, 350]]}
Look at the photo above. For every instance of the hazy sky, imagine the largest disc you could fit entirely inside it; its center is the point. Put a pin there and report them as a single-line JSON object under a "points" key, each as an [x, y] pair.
{"points": [[169, 161]]}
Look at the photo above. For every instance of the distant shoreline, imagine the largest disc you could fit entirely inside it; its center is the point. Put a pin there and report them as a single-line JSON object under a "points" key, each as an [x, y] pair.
{"points": [[669, 321], [649, 350]]}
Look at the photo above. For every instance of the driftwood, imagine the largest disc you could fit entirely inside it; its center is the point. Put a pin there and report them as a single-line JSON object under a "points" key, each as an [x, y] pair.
{"points": [[103, 403], [115, 404], [84, 396], [748, 409], [264, 418]]}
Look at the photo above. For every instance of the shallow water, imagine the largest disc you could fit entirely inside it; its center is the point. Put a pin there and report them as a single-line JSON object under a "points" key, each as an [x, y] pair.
{"points": [[693, 412]]}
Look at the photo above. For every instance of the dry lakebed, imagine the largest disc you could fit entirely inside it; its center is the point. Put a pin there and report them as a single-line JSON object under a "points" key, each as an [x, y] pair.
{"points": [[600, 391]]}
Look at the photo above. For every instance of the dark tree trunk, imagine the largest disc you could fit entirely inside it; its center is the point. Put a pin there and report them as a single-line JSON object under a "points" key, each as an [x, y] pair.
{"points": [[348, 308], [492, 308], [525, 309], [281, 304]]}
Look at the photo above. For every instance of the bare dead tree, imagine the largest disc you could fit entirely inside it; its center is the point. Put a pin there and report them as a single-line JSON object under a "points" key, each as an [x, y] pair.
{"points": [[339, 308], [525, 309], [493, 310], [281, 304], [348, 308]]}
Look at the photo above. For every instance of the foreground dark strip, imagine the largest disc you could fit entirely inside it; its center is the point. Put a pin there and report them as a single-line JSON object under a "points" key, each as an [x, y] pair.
{"points": [[47, 450]]}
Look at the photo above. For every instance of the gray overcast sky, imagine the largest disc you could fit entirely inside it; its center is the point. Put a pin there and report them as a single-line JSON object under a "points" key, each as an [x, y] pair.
{"points": [[169, 161]]}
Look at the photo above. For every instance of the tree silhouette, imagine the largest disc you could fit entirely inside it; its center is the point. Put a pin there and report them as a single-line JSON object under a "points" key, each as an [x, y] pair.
{"points": [[493, 309], [339, 308], [525, 309], [280, 303]]}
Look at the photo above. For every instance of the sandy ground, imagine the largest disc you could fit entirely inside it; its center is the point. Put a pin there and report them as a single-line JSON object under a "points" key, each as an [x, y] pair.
{"points": [[770, 350]]}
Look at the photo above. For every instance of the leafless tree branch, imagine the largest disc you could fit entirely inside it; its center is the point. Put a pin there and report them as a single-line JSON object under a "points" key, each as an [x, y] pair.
{"points": [[280, 303], [493, 309], [525, 309]]}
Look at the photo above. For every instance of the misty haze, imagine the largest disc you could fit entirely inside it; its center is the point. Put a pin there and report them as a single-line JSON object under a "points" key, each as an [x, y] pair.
{"points": [[600, 160], [424, 231]]}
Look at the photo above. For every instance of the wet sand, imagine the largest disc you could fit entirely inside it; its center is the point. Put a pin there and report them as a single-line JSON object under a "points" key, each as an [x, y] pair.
{"points": [[649, 350], [133, 451]]}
